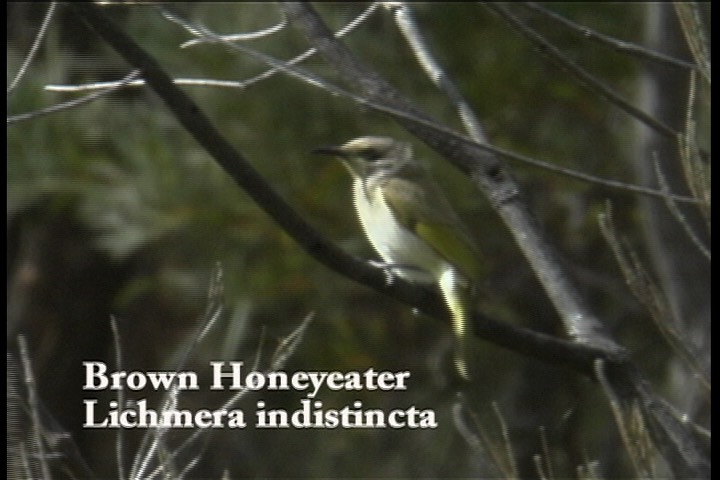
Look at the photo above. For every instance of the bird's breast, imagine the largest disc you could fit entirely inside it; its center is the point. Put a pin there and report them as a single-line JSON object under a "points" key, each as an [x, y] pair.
{"points": [[398, 246]]}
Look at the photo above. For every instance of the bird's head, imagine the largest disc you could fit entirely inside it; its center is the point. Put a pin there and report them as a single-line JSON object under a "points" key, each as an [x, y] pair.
{"points": [[367, 155]]}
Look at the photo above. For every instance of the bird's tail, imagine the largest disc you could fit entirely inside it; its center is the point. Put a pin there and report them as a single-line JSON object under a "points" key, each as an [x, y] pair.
{"points": [[455, 289]]}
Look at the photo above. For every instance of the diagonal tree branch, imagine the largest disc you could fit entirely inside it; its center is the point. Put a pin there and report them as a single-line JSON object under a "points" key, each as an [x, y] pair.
{"points": [[673, 438], [488, 172], [679, 446], [637, 51], [524, 341], [585, 78]]}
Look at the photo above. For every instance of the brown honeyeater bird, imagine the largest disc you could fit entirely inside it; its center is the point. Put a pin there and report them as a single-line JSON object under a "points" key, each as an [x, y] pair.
{"points": [[412, 226]]}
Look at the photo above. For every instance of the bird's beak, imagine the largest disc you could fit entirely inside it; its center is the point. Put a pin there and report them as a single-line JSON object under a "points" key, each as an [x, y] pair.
{"points": [[335, 151], [345, 158]]}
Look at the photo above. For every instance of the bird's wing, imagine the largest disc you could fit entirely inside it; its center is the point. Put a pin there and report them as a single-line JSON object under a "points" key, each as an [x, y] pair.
{"points": [[426, 212]]}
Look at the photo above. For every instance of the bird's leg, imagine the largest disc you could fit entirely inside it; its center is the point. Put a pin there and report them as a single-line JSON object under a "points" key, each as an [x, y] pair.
{"points": [[387, 270]]}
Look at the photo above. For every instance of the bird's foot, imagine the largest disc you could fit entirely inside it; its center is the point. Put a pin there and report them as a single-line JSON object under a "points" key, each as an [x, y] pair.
{"points": [[387, 269], [391, 270]]}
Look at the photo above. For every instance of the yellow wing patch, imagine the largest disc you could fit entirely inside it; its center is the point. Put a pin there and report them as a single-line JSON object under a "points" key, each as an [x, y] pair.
{"points": [[452, 245]]}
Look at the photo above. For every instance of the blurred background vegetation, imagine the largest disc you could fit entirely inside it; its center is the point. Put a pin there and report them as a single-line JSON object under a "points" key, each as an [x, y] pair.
{"points": [[113, 209]]}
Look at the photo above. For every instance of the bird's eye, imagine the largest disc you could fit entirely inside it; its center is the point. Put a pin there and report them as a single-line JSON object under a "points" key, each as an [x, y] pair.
{"points": [[371, 154]]}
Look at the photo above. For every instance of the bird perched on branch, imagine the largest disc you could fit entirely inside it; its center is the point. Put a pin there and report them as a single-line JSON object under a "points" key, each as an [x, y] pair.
{"points": [[412, 226]]}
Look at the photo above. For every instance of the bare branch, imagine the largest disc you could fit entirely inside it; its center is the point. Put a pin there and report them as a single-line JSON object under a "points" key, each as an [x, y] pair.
{"points": [[311, 79], [34, 405], [621, 46], [304, 75], [76, 102], [511, 462], [489, 174], [501, 457], [404, 17], [677, 214], [496, 182], [241, 84], [283, 352], [34, 48], [689, 15], [586, 79], [542, 346], [546, 452], [239, 37], [630, 424], [646, 291], [695, 169], [290, 343]]}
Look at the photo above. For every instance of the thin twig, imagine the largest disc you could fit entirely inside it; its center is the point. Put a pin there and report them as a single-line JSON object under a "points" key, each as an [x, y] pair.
{"points": [[240, 84], [298, 72], [314, 80], [537, 460], [201, 82], [476, 436], [677, 214], [546, 452], [152, 439], [696, 171], [586, 79], [405, 19], [215, 306], [73, 103], [509, 451], [280, 356], [647, 293], [352, 25], [238, 37], [618, 45], [34, 406], [689, 15], [34, 48], [625, 417]]}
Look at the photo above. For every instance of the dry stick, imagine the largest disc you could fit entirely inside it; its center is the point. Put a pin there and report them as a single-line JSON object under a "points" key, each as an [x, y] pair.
{"points": [[127, 80], [34, 406], [621, 46], [464, 110], [586, 79], [34, 48], [688, 14], [405, 19]]}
